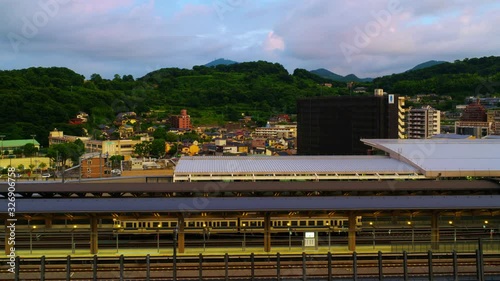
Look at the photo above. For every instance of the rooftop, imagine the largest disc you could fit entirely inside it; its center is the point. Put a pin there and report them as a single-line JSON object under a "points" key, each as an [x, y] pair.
{"points": [[291, 167], [445, 157]]}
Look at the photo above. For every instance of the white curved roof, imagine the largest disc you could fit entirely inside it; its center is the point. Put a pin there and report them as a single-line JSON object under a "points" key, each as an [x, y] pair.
{"points": [[291, 168], [291, 164], [445, 157]]}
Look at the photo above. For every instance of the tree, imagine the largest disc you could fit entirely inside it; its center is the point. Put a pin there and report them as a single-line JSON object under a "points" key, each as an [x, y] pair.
{"points": [[42, 165], [116, 160], [18, 151], [171, 137], [160, 133], [96, 78], [29, 149], [158, 148], [143, 149], [62, 152]]}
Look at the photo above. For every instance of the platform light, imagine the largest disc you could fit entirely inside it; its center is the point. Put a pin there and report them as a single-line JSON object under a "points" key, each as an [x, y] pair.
{"points": [[34, 226], [371, 223], [159, 224], [450, 222], [485, 222], [408, 222], [244, 224], [74, 226]]}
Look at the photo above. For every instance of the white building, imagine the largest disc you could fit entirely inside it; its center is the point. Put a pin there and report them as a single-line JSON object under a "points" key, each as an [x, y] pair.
{"points": [[423, 123], [278, 131]]}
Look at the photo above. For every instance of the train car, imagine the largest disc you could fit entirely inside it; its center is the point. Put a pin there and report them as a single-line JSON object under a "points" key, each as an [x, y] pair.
{"points": [[230, 225]]}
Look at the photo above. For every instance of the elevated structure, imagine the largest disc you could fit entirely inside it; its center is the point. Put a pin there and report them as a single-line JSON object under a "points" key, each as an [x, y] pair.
{"points": [[446, 157], [313, 168], [404, 159]]}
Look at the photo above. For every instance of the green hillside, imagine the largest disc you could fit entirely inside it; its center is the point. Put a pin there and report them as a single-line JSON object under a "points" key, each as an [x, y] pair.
{"points": [[468, 77], [38, 100]]}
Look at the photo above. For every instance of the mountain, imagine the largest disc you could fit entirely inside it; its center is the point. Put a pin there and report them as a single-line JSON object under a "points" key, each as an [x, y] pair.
{"points": [[458, 79], [219, 62], [427, 64], [336, 77]]}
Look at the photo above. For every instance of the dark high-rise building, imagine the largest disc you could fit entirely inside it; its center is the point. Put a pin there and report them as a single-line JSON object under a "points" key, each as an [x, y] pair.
{"points": [[335, 125]]}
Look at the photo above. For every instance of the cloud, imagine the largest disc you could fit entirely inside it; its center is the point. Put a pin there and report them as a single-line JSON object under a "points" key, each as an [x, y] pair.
{"points": [[128, 36], [274, 42]]}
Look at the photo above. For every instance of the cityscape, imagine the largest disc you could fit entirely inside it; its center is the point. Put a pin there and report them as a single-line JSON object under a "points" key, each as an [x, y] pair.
{"points": [[366, 148]]}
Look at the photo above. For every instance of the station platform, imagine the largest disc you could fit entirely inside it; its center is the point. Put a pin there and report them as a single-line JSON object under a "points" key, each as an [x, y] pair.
{"points": [[142, 252]]}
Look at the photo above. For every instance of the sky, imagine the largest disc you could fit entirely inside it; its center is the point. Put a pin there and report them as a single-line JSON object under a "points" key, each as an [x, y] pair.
{"points": [[368, 38]]}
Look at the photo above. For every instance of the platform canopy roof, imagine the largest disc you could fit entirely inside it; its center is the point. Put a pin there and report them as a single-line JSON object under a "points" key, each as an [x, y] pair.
{"points": [[445, 157], [291, 167]]}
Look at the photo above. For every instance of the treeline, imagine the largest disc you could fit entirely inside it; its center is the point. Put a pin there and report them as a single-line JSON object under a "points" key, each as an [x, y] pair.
{"points": [[37, 100], [468, 77]]}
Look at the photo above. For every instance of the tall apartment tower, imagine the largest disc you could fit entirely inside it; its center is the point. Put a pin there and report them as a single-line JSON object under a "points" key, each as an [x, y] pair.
{"points": [[182, 121], [335, 125], [423, 123]]}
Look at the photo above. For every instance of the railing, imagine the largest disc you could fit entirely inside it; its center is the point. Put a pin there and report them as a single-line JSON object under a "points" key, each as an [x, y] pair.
{"points": [[400, 266]]}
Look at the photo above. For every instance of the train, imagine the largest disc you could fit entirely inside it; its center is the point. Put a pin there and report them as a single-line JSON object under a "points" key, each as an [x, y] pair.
{"points": [[240, 224]]}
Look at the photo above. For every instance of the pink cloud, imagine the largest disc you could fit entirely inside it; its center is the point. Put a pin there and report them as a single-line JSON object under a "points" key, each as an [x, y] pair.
{"points": [[274, 42], [99, 6]]}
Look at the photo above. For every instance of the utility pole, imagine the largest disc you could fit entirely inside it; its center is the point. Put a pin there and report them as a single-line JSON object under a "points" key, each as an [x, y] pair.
{"points": [[2, 136], [31, 158]]}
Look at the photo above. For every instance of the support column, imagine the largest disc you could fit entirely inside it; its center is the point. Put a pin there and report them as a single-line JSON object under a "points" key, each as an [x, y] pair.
{"points": [[351, 237], [7, 235], [48, 222], [180, 239], [267, 233], [435, 230], [93, 235]]}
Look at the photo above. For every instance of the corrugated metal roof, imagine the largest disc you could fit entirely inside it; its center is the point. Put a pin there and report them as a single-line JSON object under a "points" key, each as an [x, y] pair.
{"points": [[218, 204], [467, 157], [291, 165], [19, 143]]}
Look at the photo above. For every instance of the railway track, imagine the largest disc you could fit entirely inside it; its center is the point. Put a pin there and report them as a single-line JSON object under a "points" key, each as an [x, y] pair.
{"points": [[260, 267]]}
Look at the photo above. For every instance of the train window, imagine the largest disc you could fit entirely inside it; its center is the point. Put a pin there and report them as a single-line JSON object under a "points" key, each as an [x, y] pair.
{"points": [[253, 224], [294, 223], [173, 224], [319, 223], [223, 224], [232, 223], [303, 223], [128, 224], [191, 224]]}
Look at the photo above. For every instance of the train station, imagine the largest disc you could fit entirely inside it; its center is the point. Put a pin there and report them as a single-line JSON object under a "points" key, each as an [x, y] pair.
{"points": [[412, 194]]}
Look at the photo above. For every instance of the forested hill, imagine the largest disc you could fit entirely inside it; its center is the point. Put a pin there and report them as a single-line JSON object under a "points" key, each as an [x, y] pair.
{"points": [[459, 79], [37, 100]]}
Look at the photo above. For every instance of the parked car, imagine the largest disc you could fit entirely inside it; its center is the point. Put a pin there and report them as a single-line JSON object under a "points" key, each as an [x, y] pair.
{"points": [[47, 175], [116, 172]]}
